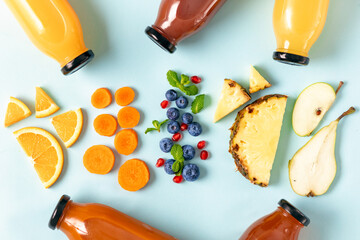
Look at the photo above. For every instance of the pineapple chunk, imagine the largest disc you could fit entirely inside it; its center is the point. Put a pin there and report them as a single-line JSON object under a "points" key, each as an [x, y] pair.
{"points": [[232, 96], [255, 135], [257, 82]]}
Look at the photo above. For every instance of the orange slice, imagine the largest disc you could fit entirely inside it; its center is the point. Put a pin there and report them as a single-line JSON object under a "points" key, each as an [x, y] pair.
{"points": [[16, 111], [44, 151], [68, 126], [44, 105]]}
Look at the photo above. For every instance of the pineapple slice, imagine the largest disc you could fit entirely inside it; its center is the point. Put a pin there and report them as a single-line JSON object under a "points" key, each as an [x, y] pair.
{"points": [[257, 82], [255, 135], [232, 96]]}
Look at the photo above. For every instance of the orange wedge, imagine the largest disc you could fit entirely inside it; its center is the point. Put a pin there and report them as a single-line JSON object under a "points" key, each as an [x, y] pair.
{"points": [[44, 105], [44, 151], [68, 126], [16, 111]]}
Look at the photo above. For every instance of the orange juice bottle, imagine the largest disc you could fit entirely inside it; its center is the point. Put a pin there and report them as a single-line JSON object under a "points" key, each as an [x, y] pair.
{"points": [[55, 29], [297, 25]]}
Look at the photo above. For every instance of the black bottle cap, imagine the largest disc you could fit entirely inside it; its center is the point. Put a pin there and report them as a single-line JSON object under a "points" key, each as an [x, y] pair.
{"points": [[58, 211], [304, 220], [291, 59], [160, 40], [77, 63]]}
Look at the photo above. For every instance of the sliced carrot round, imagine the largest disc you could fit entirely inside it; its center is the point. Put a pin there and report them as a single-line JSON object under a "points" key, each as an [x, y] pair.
{"points": [[133, 175], [99, 159], [101, 98], [124, 96], [105, 125], [128, 117], [126, 141]]}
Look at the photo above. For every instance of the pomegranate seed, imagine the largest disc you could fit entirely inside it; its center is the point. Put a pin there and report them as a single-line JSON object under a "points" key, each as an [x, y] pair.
{"points": [[183, 126], [164, 104], [160, 162], [201, 144], [196, 79], [204, 155], [176, 137], [178, 179]]}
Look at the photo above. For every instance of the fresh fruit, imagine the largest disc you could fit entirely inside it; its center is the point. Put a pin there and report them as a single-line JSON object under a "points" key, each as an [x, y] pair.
{"points": [[311, 106], [16, 111], [124, 96], [172, 113], [183, 127], [168, 166], [187, 118], [255, 135], [44, 105], [195, 129], [171, 95], [176, 137], [133, 175], [232, 96], [188, 152], [44, 151], [181, 102], [160, 162], [68, 126], [101, 98], [201, 144], [196, 79], [128, 117], [173, 127], [99, 159], [164, 104], [313, 167], [191, 172], [126, 141], [257, 82], [105, 125], [178, 179], [204, 155], [166, 145]]}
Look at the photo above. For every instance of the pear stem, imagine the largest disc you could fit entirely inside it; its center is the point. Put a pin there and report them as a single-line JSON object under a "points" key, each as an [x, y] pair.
{"points": [[348, 112], [338, 88]]}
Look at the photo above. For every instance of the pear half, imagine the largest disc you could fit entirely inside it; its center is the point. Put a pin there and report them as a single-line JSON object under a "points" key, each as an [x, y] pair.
{"points": [[311, 106], [313, 167]]}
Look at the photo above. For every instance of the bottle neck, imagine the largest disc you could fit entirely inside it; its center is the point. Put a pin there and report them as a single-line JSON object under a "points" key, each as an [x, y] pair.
{"points": [[289, 223]]}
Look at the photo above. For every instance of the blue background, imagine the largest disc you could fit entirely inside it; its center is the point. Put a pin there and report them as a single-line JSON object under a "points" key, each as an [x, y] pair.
{"points": [[221, 204]]}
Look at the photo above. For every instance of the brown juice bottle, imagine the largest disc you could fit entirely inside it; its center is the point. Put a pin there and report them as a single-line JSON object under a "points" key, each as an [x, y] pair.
{"points": [[178, 19], [92, 221], [284, 223]]}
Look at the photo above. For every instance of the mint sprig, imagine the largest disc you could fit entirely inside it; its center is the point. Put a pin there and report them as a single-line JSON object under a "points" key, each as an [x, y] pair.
{"points": [[157, 126], [177, 153], [198, 104], [182, 84]]}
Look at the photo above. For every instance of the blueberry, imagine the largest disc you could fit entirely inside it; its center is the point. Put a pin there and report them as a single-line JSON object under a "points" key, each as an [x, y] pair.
{"points": [[171, 95], [187, 118], [168, 166], [166, 145], [194, 129], [191, 172], [173, 113], [173, 127], [182, 102], [188, 152]]}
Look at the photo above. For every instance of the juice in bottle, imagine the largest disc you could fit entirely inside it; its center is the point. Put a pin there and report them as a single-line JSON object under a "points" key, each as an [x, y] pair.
{"points": [[178, 19], [284, 223], [92, 221], [297, 25], [54, 28]]}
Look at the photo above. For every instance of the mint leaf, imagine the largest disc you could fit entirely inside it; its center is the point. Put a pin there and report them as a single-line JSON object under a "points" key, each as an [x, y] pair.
{"points": [[198, 104], [174, 81], [185, 80], [177, 152], [163, 122], [190, 90], [150, 129], [176, 166], [157, 126], [179, 172], [173, 78]]}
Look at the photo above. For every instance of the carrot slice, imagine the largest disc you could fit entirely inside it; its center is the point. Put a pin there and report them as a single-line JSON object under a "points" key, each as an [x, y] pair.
{"points": [[99, 159], [105, 125], [126, 141], [133, 175], [124, 96], [128, 117], [101, 98]]}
